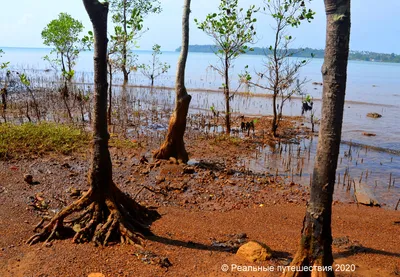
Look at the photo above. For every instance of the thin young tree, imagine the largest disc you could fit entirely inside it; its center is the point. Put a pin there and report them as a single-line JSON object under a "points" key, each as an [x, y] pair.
{"points": [[3, 90], [62, 34], [281, 72], [174, 145], [105, 212], [128, 16], [232, 30], [156, 67], [316, 236]]}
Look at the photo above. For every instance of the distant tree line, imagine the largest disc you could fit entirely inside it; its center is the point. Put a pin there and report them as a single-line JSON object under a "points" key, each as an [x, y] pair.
{"points": [[307, 52]]}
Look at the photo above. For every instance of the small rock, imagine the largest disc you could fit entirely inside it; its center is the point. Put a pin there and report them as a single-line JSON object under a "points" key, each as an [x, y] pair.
{"points": [[160, 179], [365, 196], [178, 187], [28, 178], [340, 241], [254, 251], [144, 160], [96, 275], [374, 115], [66, 165], [145, 171], [184, 202], [230, 171], [75, 192], [172, 160], [181, 162], [188, 170]]}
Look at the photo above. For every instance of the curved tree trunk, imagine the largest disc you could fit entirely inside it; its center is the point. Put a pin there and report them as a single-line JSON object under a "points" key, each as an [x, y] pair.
{"points": [[174, 146], [316, 238], [105, 212]]}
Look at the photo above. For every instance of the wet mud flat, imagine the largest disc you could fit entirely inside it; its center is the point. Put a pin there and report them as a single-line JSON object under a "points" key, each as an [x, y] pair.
{"points": [[141, 114], [204, 205]]}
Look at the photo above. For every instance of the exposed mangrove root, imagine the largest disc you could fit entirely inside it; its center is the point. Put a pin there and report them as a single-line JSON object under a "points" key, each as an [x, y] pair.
{"points": [[302, 260], [102, 217], [171, 149]]}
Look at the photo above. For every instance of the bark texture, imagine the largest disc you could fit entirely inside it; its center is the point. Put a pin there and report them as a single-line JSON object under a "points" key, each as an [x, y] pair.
{"points": [[316, 238], [104, 213], [109, 111], [174, 145], [227, 97]]}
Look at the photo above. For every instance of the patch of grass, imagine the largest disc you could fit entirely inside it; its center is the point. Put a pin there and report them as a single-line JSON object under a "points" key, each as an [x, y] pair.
{"points": [[121, 143], [229, 139], [37, 139]]}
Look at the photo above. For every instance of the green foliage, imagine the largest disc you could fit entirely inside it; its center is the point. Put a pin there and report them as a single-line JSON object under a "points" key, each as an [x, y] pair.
{"points": [[30, 139], [122, 143], [88, 40], [308, 99], [128, 17], [5, 64], [62, 35], [292, 12], [236, 141], [156, 67], [24, 80], [37, 139], [281, 74], [231, 28]]}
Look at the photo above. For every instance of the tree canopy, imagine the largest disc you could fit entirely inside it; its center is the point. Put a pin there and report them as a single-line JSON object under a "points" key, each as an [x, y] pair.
{"points": [[63, 35]]}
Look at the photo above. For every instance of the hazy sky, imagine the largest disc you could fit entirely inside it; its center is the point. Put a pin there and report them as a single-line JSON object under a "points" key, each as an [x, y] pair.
{"points": [[375, 24]]}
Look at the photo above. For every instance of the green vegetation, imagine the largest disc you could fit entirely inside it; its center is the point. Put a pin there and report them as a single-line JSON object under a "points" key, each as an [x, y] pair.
{"points": [[156, 67], [4, 64], [226, 138], [306, 53], [128, 17], [62, 35], [37, 139], [280, 74], [123, 143], [232, 29]]}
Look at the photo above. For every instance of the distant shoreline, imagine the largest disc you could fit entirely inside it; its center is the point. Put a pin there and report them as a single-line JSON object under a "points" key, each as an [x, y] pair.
{"points": [[307, 53], [300, 53]]}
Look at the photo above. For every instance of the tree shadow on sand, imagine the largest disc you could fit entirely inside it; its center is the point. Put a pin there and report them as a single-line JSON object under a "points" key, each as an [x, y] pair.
{"points": [[355, 249], [200, 246]]}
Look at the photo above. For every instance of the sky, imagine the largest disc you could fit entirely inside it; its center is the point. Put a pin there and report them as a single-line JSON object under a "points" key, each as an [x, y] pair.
{"points": [[375, 24]]}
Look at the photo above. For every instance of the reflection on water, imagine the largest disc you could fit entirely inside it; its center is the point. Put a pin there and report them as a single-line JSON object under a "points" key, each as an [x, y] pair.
{"points": [[356, 164], [374, 168]]}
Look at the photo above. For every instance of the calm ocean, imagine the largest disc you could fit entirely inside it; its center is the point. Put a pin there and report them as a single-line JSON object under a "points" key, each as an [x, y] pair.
{"points": [[371, 87]]}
